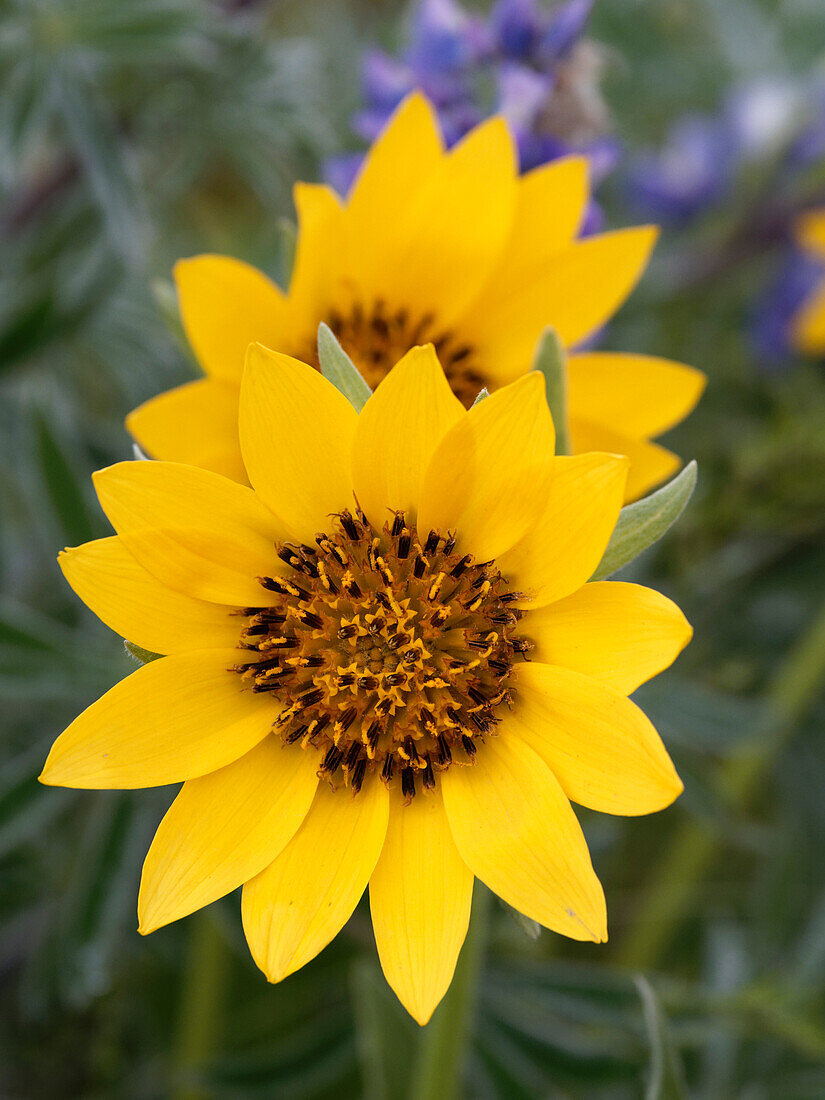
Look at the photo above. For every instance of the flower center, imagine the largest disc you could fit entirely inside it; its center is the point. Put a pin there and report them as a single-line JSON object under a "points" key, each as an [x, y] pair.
{"points": [[376, 337], [386, 653]]}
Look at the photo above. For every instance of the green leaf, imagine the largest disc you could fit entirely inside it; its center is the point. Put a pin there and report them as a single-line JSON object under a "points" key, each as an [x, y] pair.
{"points": [[92, 131], [285, 245], [530, 927], [551, 361], [665, 1078], [644, 522], [63, 485], [338, 368], [144, 656], [27, 809], [385, 1034], [166, 299]]}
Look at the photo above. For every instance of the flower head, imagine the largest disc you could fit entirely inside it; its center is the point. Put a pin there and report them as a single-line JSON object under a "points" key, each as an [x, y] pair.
{"points": [[808, 324], [450, 247], [384, 666]]}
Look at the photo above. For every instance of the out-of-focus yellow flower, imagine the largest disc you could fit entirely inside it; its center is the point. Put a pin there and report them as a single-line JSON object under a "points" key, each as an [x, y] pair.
{"points": [[808, 328], [346, 695], [449, 247]]}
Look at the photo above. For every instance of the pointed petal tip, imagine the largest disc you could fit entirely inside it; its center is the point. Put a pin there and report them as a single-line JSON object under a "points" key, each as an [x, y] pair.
{"points": [[46, 777], [414, 103]]}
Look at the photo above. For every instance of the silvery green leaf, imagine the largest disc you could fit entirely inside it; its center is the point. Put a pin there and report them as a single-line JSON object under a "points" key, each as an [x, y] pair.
{"points": [[551, 361], [285, 245], [166, 299], [338, 368], [644, 522], [665, 1078], [530, 927], [92, 130], [144, 656]]}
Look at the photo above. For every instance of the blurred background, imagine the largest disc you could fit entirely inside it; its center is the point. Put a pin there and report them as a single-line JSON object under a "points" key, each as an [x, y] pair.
{"points": [[133, 132]]}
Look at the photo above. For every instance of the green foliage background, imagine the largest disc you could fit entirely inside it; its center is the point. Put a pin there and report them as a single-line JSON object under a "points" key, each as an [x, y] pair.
{"points": [[136, 131]]}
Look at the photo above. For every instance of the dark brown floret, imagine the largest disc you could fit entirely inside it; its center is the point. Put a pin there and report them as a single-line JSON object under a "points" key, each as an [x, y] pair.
{"points": [[388, 657], [376, 337]]}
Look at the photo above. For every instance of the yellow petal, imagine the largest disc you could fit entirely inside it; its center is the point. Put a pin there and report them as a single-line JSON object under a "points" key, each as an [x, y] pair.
{"points": [[517, 832], [296, 438], [198, 533], [575, 292], [810, 231], [639, 395], [563, 547], [452, 233], [196, 423], [225, 304], [300, 902], [319, 244], [550, 203], [137, 606], [808, 326], [489, 475], [620, 634], [395, 170], [398, 431], [650, 463], [174, 719], [223, 829], [599, 745], [420, 895]]}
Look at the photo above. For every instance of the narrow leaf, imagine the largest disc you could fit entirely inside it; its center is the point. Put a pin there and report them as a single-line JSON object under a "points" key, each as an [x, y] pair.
{"points": [[644, 522], [285, 245], [531, 928], [166, 299], [385, 1034], [62, 485], [144, 656], [338, 368], [93, 133], [665, 1080], [551, 361]]}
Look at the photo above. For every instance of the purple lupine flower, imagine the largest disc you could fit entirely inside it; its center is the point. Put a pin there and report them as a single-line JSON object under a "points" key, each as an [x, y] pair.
{"points": [[760, 117], [798, 277], [445, 38], [529, 53], [565, 28], [516, 27], [696, 166], [689, 173]]}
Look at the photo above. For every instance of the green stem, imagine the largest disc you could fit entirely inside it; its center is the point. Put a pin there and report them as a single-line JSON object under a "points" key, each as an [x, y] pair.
{"points": [[794, 690], [200, 1007], [442, 1056]]}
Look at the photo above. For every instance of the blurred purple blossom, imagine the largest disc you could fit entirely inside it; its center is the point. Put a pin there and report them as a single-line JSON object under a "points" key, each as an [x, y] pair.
{"points": [[689, 173], [770, 324], [527, 61], [697, 165]]}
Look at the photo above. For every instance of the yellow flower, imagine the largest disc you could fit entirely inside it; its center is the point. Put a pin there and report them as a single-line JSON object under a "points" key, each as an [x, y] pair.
{"points": [[808, 327], [398, 608], [453, 248]]}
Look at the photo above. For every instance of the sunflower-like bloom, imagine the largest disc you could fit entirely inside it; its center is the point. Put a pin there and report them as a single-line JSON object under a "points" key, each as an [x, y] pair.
{"points": [[384, 665], [808, 328], [449, 247]]}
